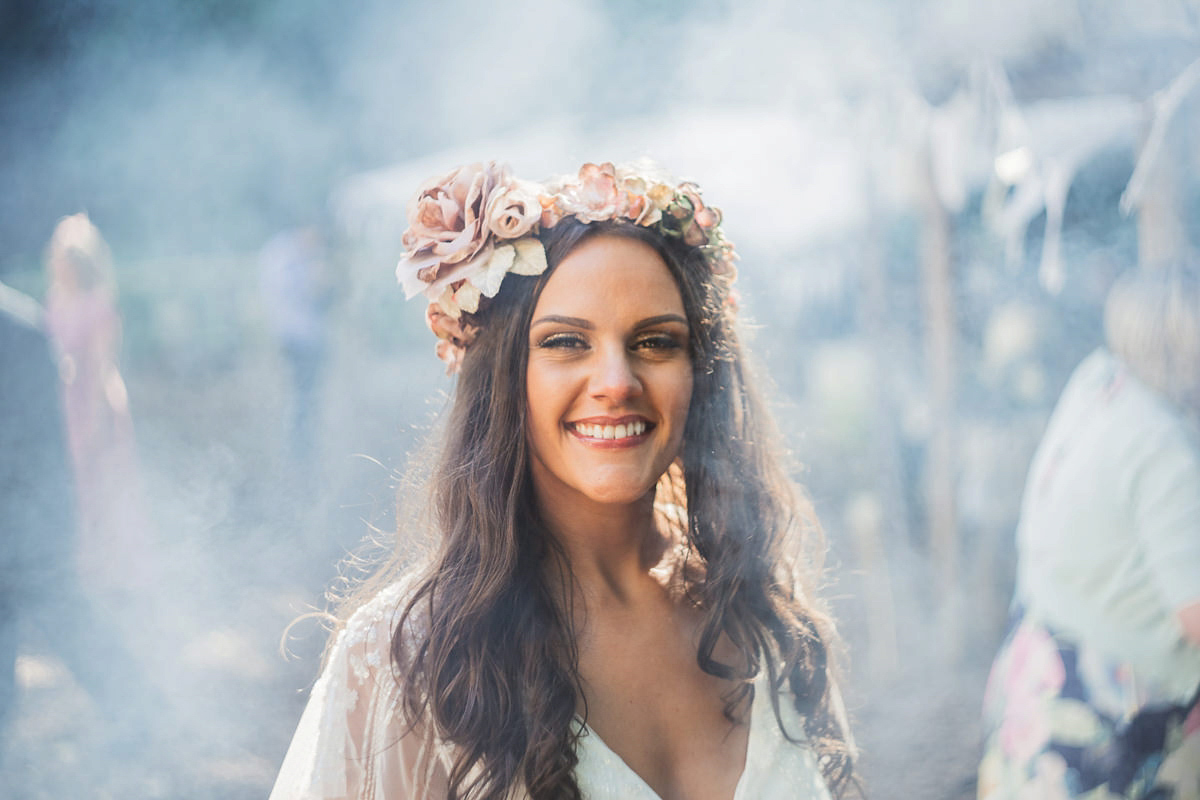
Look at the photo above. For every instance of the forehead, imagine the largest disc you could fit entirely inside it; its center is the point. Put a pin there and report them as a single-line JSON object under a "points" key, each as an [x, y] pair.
{"points": [[608, 274]]}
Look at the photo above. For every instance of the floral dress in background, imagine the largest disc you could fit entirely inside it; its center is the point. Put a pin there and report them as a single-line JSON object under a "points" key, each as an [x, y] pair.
{"points": [[1063, 721]]}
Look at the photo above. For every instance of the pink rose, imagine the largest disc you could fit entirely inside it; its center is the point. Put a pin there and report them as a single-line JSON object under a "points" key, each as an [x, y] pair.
{"points": [[513, 212], [707, 218], [446, 225], [443, 325], [635, 205], [450, 354], [594, 196], [551, 212], [454, 336], [695, 235]]}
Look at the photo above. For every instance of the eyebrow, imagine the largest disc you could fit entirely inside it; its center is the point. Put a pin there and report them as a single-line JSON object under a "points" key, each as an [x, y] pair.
{"points": [[579, 322], [574, 322], [660, 319]]}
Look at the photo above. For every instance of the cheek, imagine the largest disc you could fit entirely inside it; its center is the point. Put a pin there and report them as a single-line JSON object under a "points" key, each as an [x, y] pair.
{"points": [[541, 406], [533, 407], [681, 401], [685, 402]]}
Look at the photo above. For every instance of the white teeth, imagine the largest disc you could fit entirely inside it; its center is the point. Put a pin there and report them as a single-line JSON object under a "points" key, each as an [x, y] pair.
{"points": [[636, 428]]}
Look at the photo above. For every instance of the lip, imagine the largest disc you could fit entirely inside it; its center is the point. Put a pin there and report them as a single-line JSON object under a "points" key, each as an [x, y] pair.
{"points": [[610, 444], [625, 420]]}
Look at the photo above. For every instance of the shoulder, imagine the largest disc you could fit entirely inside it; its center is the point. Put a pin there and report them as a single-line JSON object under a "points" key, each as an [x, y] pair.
{"points": [[354, 739], [1108, 409], [364, 640], [782, 759], [1162, 438]]}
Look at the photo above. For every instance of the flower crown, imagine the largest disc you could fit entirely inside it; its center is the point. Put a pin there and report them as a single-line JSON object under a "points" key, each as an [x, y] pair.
{"points": [[469, 229]]}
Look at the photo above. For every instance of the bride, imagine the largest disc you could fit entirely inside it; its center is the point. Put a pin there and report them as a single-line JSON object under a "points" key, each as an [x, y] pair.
{"points": [[621, 603]]}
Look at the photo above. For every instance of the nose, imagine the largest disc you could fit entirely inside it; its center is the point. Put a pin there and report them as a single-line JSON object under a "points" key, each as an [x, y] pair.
{"points": [[613, 377]]}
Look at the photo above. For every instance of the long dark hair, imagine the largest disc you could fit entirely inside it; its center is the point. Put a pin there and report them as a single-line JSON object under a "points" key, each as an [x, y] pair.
{"points": [[485, 647]]}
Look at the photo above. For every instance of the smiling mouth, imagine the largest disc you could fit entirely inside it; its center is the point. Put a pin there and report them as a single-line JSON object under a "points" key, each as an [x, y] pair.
{"points": [[627, 430]]}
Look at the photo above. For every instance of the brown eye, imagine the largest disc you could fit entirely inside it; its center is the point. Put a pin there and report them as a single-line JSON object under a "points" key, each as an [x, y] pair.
{"points": [[658, 341], [562, 341]]}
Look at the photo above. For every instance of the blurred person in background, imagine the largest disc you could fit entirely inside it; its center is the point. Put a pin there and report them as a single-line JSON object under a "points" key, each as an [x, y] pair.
{"points": [[1095, 691], [298, 291], [623, 603], [41, 601], [84, 324]]}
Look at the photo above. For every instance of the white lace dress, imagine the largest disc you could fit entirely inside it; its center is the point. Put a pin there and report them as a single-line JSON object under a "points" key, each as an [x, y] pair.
{"points": [[351, 743]]}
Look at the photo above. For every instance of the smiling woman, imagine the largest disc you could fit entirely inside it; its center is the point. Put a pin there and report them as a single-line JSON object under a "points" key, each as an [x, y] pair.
{"points": [[623, 601], [609, 378]]}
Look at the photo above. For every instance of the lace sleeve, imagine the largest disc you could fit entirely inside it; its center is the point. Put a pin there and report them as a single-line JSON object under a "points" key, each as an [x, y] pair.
{"points": [[352, 742]]}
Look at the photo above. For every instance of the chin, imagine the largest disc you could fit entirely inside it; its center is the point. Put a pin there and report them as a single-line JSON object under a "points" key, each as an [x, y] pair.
{"points": [[623, 494]]}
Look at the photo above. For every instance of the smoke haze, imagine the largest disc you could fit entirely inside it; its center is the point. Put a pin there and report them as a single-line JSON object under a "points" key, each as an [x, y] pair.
{"points": [[833, 136]]}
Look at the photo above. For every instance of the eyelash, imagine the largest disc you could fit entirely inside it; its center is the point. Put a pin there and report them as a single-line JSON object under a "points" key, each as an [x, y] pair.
{"points": [[659, 341], [564, 341]]}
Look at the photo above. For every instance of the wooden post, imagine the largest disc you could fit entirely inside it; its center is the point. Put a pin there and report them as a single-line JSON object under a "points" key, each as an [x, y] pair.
{"points": [[874, 521], [1161, 229], [937, 283]]}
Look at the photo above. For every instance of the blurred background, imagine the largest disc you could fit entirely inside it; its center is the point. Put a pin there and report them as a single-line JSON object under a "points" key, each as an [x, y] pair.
{"points": [[930, 200]]}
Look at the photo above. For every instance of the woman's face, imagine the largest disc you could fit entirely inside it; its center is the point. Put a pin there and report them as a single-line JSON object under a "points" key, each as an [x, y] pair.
{"points": [[609, 379]]}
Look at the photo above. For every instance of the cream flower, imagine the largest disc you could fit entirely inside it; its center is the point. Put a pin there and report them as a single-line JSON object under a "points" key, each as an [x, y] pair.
{"points": [[635, 204], [466, 298], [432, 282], [525, 256], [661, 195]]}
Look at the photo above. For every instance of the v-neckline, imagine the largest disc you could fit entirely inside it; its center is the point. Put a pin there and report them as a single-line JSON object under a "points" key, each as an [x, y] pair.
{"points": [[751, 748]]}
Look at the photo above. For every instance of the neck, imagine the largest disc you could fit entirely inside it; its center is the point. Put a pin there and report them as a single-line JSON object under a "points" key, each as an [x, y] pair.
{"points": [[612, 550]]}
